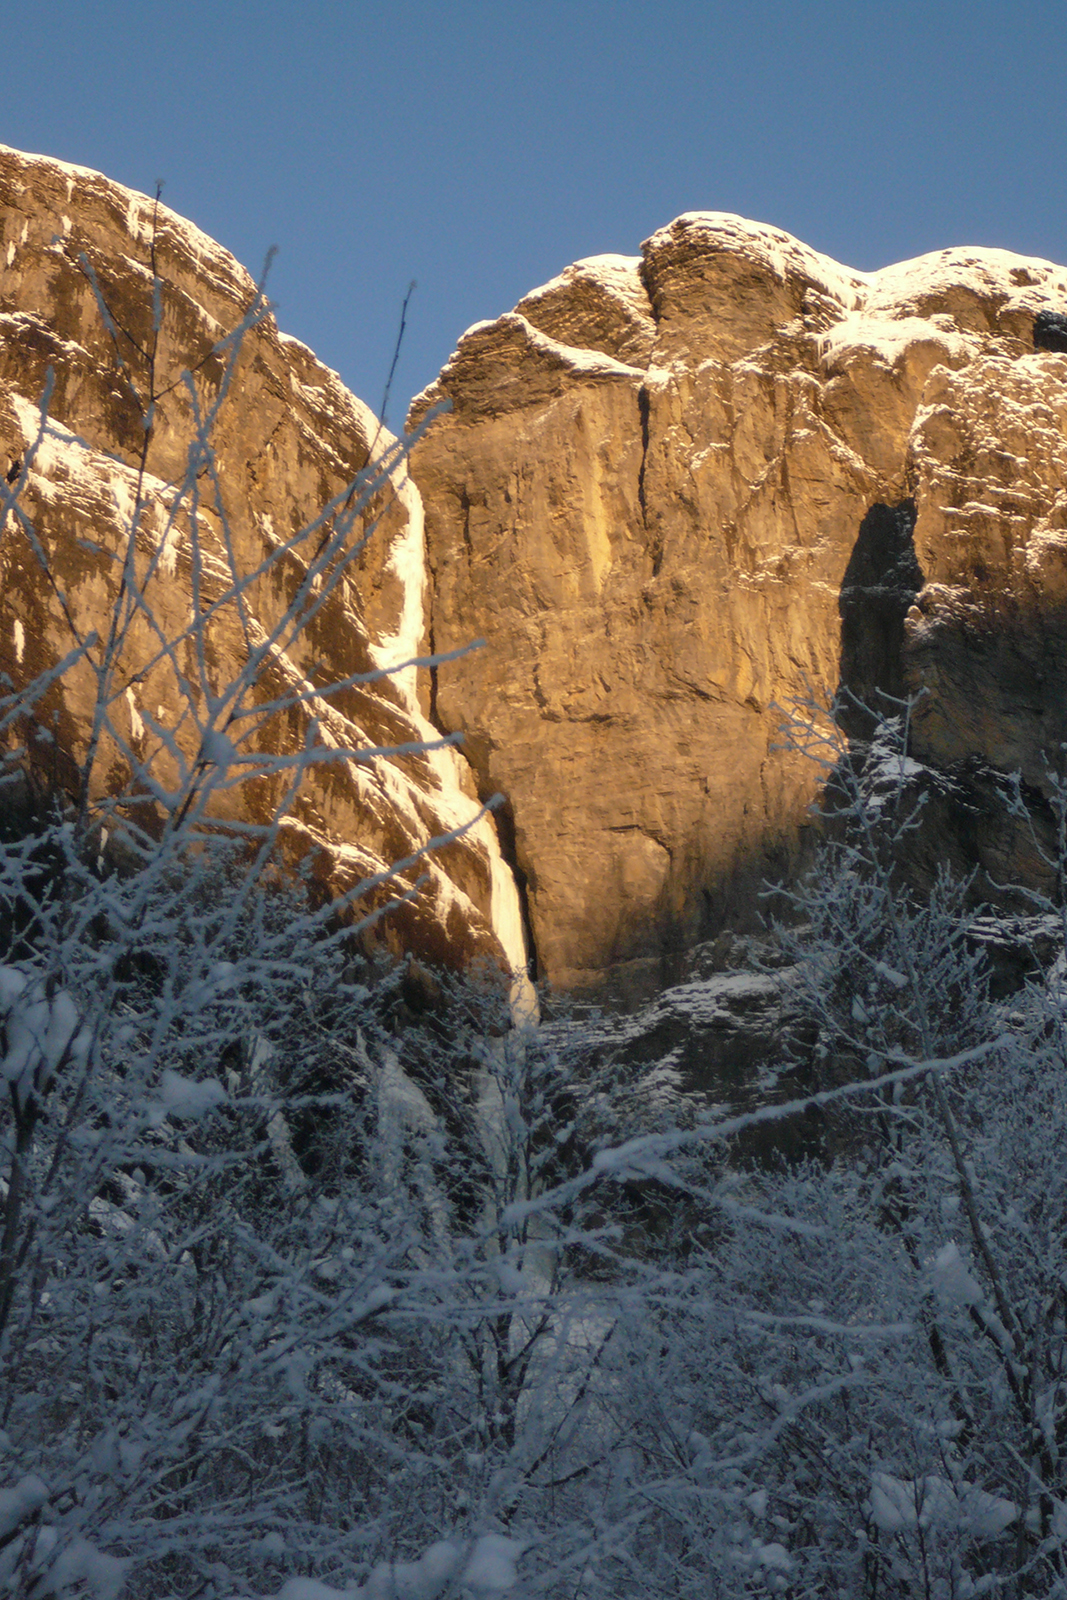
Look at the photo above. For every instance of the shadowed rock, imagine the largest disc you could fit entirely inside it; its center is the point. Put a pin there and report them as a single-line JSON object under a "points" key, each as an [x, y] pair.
{"points": [[1050, 331]]}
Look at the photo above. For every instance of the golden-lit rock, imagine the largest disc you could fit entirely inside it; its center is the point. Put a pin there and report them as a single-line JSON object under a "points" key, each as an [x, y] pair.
{"points": [[677, 492], [225, 558]]}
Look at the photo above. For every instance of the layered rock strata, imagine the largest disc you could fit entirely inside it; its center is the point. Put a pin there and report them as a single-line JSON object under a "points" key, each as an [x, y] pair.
{"points": [[679, 492], [204, 506]]}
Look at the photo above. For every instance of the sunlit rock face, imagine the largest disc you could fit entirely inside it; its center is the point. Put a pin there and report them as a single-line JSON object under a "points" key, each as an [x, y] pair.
{"points": [[677, 492], [287, 441], [673, 494]]}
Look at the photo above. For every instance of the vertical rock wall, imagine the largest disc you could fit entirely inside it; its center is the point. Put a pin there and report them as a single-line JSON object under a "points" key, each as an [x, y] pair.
{"points": [[674, 493]]}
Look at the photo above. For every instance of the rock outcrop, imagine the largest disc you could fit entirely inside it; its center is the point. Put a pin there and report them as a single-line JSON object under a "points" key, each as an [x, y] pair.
{"points": [[674, 494], [224, 551], [677, 492]]}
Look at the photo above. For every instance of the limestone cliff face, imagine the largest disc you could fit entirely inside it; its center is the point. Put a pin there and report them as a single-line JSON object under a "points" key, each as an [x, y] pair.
{"points": [[676, 491], [673, 493], [288, 440]]}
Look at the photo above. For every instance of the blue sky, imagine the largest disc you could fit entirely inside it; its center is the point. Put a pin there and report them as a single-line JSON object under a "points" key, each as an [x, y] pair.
{"points": [[479, 147]]}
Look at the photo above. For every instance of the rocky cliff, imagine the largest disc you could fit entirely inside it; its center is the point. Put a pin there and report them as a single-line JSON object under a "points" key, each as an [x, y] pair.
{"points": [[200, 530], [674, 493], [679, 492]]}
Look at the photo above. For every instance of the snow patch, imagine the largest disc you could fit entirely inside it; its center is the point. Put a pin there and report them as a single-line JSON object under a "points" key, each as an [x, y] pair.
{"points": [[617, 277], [187, 1098], [777, 251], [39, 1032], [952, 1283], [612, 270], [587, 363], [89, 479], [134, 222], [469, 1569], [217, 749], [136, 723], [406, 563], [167, 552], [20, 1503], [899, 1505], [906, 287], [888, 338], [584, 363]]}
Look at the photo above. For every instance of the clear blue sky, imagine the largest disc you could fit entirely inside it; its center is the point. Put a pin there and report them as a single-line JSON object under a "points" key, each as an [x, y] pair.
{"points": [[480, 147]]}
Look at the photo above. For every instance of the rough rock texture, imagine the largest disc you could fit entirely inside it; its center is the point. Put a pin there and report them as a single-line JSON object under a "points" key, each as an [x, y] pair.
{"points": [[673, 493], [711, 1037], [288, 440], [676, 491]]}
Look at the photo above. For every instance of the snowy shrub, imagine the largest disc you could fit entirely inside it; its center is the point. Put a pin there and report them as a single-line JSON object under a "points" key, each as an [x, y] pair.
{"points": [[237, 1323], [847, 1377]]}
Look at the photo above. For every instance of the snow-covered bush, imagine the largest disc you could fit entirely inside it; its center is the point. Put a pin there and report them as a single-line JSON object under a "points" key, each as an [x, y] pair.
{"points": [[231, 1300], [847, 1377], [886, 1410]]}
